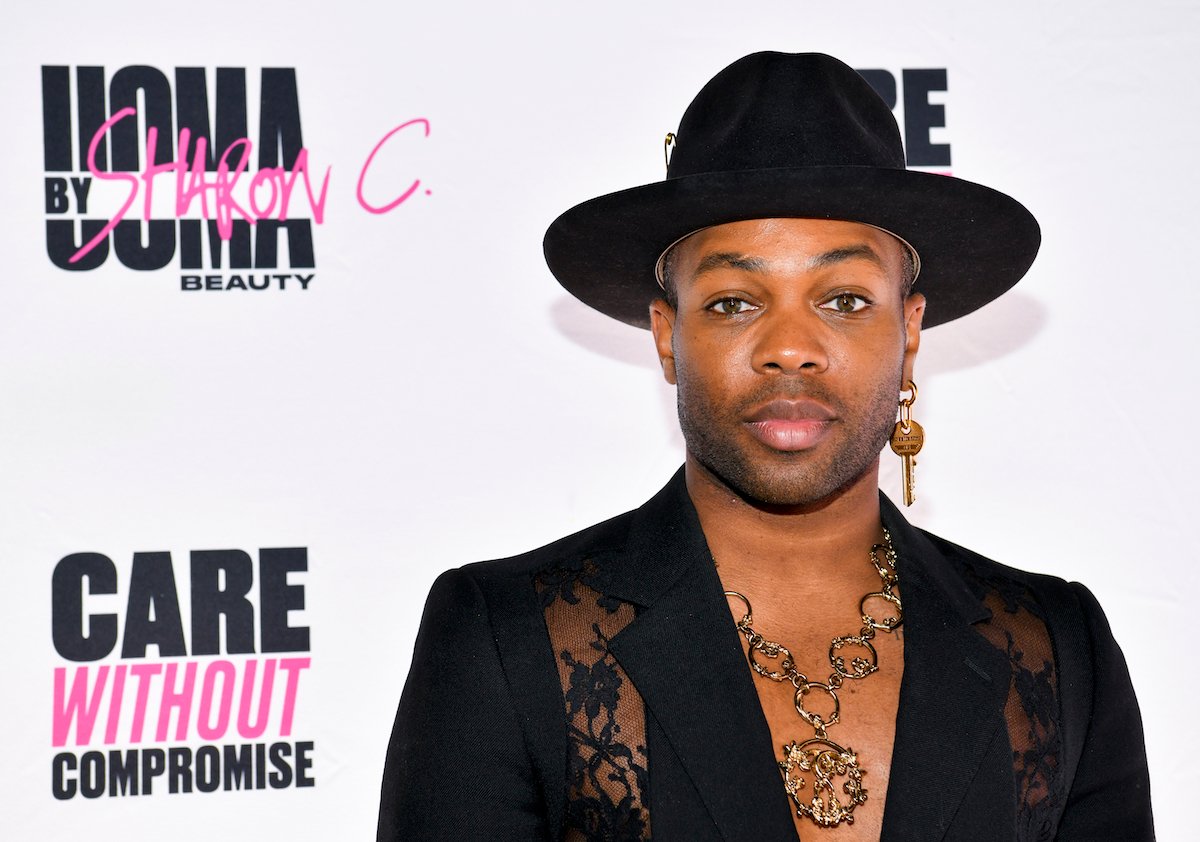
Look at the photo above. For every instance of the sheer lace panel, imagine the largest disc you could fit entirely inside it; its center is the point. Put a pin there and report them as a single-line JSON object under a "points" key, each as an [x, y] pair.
{"points": [[1032, 710], [605, 715]]}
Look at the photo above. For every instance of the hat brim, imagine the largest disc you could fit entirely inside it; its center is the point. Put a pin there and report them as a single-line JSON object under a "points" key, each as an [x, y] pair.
{"points": [[974, 243]]}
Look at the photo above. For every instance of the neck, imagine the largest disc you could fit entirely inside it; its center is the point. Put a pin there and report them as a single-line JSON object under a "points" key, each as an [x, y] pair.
{"points": [[787, 545]]}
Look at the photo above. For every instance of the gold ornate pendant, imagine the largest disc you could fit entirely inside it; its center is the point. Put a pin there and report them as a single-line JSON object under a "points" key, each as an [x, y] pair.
{"points": [[828, 763]]}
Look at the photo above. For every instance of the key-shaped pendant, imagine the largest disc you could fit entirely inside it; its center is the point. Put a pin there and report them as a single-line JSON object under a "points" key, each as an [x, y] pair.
{"points": [[907, 441]]}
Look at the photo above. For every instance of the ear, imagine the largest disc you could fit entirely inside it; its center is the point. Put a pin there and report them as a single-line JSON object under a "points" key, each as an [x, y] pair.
{"points": [[914, 311], [662, 325]]}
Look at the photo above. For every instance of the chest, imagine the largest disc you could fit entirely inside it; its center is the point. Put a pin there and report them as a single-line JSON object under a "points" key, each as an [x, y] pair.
{"points": [[829, 711]]}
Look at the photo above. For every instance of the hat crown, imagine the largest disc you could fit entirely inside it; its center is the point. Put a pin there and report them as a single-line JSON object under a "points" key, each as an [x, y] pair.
{"points": [[794, 136], [773, 110]]}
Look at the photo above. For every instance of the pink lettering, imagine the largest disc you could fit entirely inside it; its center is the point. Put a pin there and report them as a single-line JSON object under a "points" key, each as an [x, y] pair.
{"points": [[223, 670], [268, 176], [171, 688], [143, 673], [152, 169], [173, 699], [114, 704], [191, 182], [362, 176], [300, 168], [226, 204], [292, 667], [245, 728], [77, 707], [103, 176]]}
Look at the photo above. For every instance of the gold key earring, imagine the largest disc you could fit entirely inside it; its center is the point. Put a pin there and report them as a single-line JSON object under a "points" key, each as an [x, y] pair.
{"points": [[907, 440]]}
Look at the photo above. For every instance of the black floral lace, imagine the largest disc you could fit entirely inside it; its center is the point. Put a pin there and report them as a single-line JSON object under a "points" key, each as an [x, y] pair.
{"points": [[606, 725], [1016, 628]]}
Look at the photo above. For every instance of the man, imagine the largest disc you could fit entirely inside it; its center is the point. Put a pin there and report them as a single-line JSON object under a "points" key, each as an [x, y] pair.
{"points": [[766, 649]]}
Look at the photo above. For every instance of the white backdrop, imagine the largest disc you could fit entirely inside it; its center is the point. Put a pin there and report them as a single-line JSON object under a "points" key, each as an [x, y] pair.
{"points": [[433, 397]]}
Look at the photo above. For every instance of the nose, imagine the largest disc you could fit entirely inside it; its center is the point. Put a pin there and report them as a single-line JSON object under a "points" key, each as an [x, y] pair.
{"points": [[790, 343]]}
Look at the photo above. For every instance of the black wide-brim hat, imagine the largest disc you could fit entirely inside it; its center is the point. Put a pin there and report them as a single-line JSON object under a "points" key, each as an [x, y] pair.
{"points": [[780, 135]]}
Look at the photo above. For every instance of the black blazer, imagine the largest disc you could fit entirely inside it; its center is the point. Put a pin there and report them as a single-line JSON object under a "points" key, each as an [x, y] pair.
{"points": [[1017, 719]]}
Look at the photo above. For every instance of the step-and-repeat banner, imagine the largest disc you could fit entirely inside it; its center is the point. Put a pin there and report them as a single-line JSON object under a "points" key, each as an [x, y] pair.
{"points": [[280, 347]]}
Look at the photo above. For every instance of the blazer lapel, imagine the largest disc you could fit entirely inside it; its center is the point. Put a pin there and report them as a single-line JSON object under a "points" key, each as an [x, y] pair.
{"points": [[951, 697], [683, 655]]}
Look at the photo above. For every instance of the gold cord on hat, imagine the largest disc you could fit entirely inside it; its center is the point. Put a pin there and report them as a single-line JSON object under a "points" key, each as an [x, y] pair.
{"points": [[668, 145], [826, 761]]}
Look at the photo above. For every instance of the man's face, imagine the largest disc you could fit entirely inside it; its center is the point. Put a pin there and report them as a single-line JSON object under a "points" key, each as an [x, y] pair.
{"points": [[790, 343]]}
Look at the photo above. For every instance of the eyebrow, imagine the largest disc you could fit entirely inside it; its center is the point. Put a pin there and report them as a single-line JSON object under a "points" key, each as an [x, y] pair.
{"points": [[730, 260], [829, 258], [733, 260]]}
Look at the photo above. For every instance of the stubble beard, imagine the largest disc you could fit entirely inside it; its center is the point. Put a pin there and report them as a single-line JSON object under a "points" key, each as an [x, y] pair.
{"points": [[765, 477]]}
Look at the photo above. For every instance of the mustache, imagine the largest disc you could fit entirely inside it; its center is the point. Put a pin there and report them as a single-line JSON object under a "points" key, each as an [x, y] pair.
{"points": [[792, 390]]}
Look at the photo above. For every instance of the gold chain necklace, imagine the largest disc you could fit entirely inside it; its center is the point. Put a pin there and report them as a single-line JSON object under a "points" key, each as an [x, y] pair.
{"points": [[820, 756]]}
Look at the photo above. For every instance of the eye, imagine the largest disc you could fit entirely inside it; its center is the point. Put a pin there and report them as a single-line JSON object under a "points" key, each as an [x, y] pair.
{"points": [[846, 302], [730, 306]]}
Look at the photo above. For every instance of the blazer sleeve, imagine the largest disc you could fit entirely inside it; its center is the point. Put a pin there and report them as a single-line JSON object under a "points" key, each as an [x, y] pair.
{"points": [[1110, 793], [457, 766]]}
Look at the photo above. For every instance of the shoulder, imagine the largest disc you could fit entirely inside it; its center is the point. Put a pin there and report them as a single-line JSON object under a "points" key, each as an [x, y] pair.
{"points": [[1069, 611], [1052, 598], [594, 542], [501, 601]]}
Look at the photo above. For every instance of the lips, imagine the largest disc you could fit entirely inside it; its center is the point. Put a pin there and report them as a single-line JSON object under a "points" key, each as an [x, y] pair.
{"points": [[790, 425]]}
